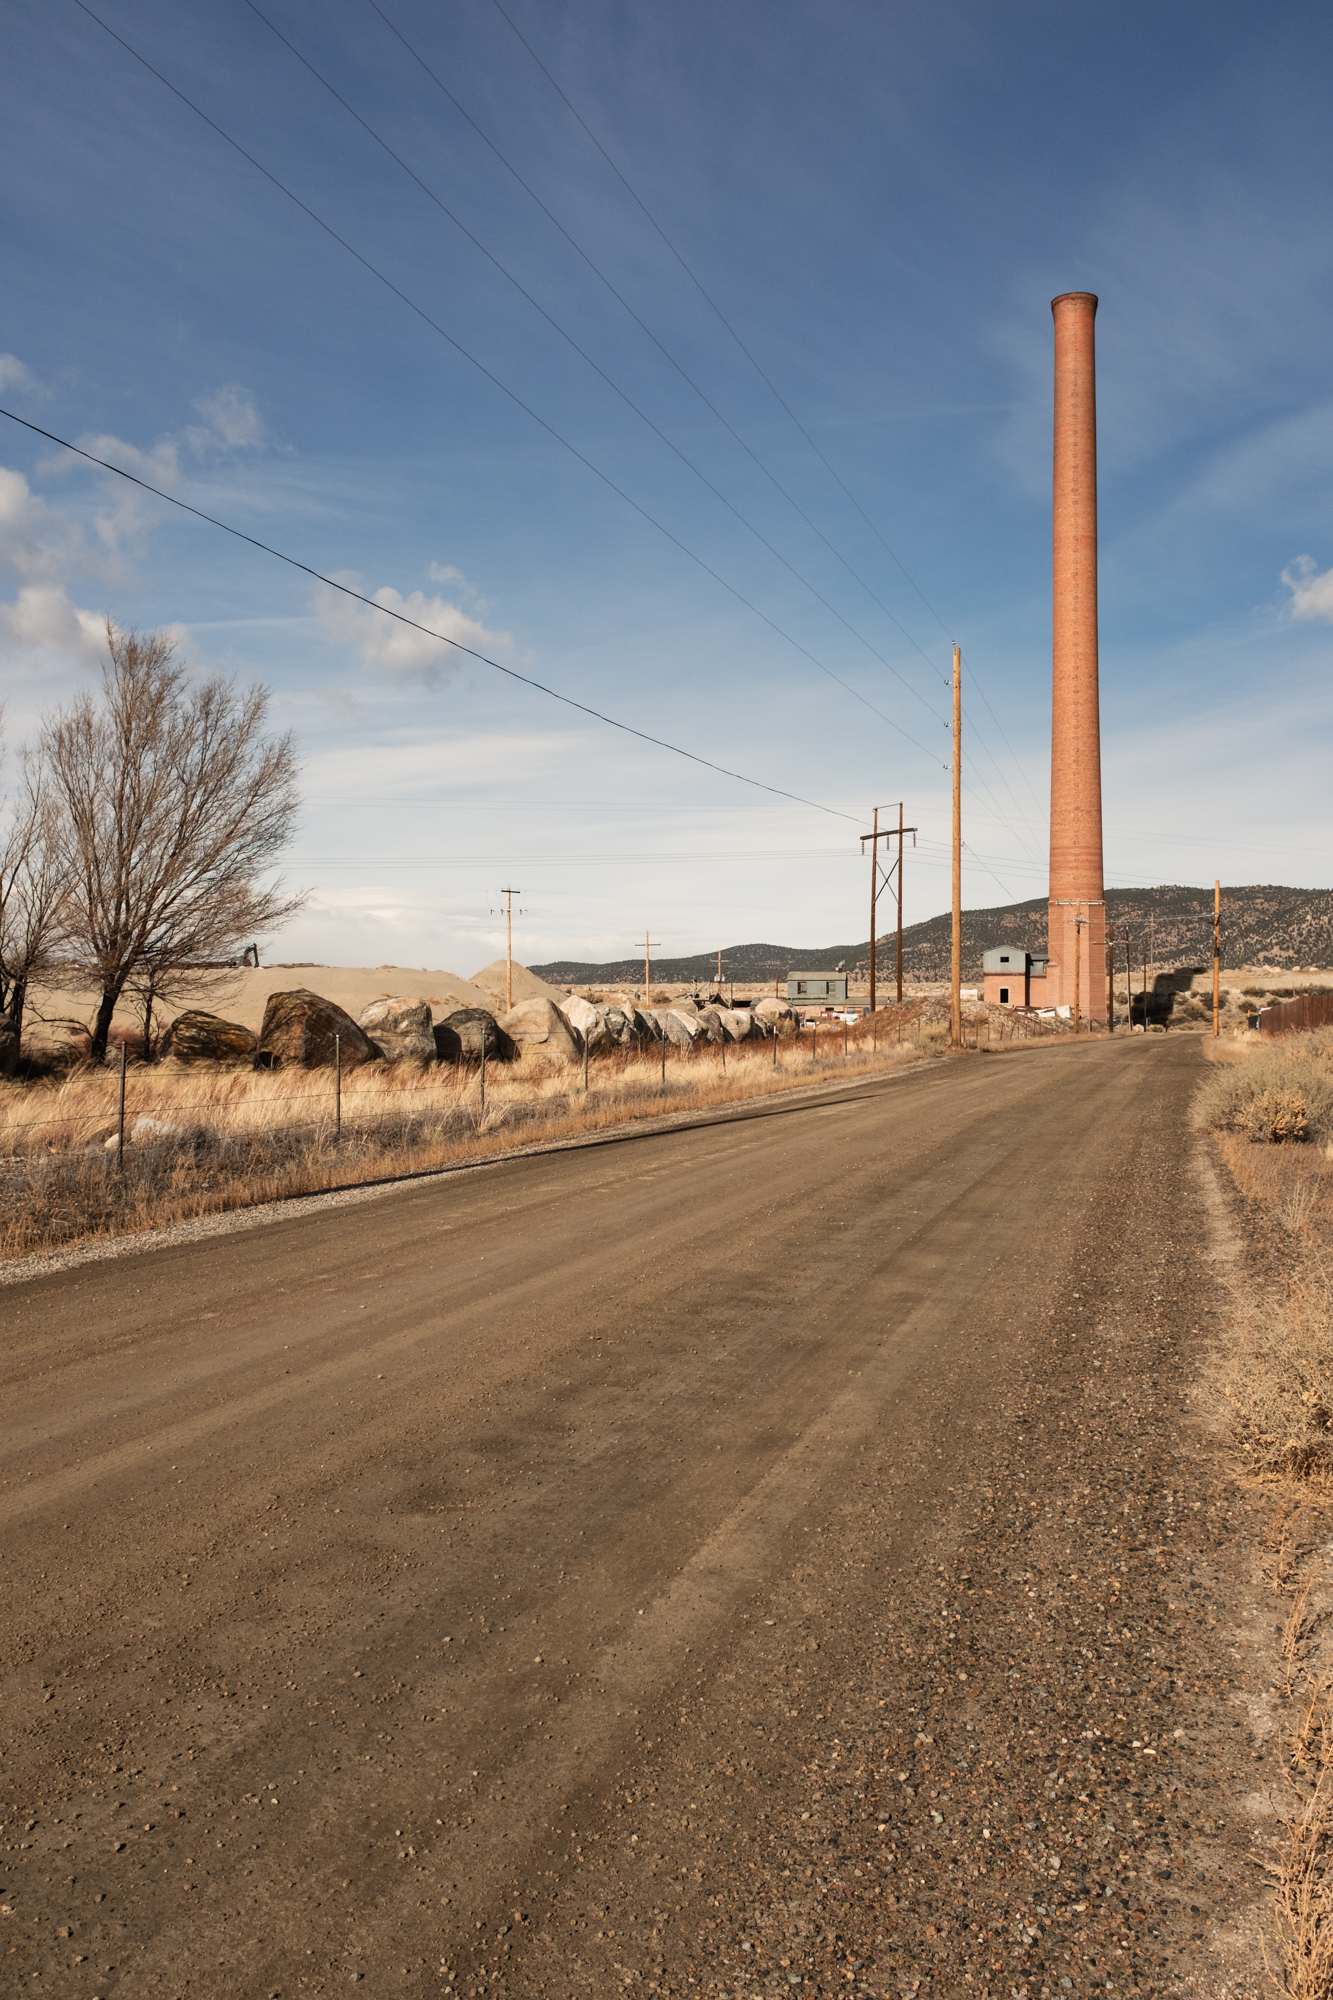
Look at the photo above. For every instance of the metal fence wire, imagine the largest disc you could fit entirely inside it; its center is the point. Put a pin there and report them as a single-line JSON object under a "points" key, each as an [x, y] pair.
{"points": [[333, 1106]]}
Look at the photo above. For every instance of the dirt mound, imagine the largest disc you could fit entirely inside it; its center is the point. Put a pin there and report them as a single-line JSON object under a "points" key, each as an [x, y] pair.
{"points": [[527, 985]]}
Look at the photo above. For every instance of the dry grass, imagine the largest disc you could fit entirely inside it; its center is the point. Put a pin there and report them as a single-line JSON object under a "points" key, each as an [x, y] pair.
{"points": [[1260, 1098], [223, 1139], [1280, 1378], [1279, 1092], [1304, 1866]]}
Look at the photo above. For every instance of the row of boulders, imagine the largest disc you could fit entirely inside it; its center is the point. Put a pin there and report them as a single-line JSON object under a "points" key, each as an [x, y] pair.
{"points": [[303, 1030]]}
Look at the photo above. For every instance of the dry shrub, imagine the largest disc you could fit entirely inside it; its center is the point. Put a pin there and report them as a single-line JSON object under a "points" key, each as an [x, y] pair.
{"points": [[1283, 1092], [1304, 1867], [1280, 1383]]}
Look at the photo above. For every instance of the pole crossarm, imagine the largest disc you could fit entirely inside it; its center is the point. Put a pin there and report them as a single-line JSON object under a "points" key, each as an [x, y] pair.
{"points": [[891, 878]]}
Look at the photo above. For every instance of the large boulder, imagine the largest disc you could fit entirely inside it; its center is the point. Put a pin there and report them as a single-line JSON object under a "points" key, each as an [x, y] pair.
{"points": [[678, 1026], [303, 1030], [196, 1036], [626, 1026], [540, 1029], [400, 1029], [588, 1020], [462, 1035], [778, 1016], [738, 1022], [710, 1021]]}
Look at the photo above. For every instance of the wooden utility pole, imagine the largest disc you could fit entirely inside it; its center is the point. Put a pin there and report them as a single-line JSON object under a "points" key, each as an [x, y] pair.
{"points": [[956, 940], [649, 945], [901, 830], [1217, 958], [1111, 943], [509, 895], [874, 896], [889, 878], [1078, 974]]}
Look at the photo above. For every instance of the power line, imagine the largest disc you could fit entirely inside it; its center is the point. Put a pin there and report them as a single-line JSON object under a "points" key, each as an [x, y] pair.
{"points": [[582, 251], [497, 381], [401, 618], [749, 355], [713, 305], [437, 199]]}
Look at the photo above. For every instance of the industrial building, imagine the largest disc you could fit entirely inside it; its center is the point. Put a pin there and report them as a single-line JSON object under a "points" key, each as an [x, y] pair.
{"points": [[1009, 975], [817, 989]]}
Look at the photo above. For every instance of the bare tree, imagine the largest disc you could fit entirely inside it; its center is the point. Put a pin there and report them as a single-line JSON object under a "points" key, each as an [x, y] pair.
{"points": [[34, 886], [175, 805]]}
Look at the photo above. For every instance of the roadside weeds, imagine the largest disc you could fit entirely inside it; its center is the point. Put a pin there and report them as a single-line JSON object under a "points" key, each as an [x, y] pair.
{"points": [[1269, 1113]]}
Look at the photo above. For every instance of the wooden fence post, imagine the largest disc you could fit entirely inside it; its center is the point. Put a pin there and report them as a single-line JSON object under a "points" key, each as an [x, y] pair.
{"points": [[337, 1086]]}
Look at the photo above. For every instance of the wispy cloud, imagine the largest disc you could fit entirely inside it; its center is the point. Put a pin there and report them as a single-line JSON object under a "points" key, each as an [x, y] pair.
{"points": [[397, 648], [1311, 589]]}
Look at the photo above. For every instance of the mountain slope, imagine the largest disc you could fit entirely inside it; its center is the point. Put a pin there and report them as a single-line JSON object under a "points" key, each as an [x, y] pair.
{"points": [[1262, 924]]}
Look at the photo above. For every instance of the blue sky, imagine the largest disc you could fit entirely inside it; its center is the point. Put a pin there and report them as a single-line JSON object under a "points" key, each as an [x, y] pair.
{"points": [[882, 200]]}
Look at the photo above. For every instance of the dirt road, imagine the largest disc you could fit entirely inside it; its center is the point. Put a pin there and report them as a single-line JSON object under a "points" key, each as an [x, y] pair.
{"points": [[771, 1556]]}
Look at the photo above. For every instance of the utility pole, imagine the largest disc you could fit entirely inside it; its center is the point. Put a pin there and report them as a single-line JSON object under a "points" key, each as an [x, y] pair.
{"points": [[649, 945], [509, 895], [886, 878], [956, 940], [1078, 973], [1217, 959], [1111, 943], [874, 895], [901, 830]]}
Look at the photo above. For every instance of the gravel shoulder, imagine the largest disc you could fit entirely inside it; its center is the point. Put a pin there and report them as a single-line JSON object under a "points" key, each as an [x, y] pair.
{"points": [[782, 1555]]}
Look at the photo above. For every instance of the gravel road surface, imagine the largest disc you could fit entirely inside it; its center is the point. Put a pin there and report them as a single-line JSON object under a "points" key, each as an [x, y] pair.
{"points": [[772, 1556]]}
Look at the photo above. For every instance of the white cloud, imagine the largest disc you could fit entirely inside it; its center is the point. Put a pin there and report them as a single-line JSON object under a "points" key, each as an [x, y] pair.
{"points": [[13, 373], [231, 422], [1311, 589], [43, 618], [160, 462], [396, 647], [15, 496], [34, 541]]}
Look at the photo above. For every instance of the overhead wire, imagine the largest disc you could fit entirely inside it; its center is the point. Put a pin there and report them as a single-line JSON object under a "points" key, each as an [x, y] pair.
{"points": [[713, 305], [433, 195], [745, 350], [519, 401], [401, 618], [583, 252]]}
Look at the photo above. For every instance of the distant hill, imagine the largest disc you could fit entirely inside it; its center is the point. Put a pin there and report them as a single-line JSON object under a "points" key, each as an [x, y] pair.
{"points": [[1262, 924]]}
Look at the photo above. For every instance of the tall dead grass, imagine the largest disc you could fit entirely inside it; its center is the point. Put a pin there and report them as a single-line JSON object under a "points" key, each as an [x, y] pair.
{"points": [[199, 1142], [1279, 1091], [1270, 1109]]}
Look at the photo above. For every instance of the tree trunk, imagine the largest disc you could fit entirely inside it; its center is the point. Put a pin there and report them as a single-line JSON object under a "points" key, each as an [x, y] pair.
{"points": [[11, 1042], [148, 1025], [106, 1007]]}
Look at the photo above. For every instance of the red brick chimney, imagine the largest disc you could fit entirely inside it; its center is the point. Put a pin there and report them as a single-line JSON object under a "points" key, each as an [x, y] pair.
{"points": [[1077, 911]]}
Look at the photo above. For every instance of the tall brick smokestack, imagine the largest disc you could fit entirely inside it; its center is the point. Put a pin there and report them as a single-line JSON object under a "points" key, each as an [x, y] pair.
{"points": [[1077, 911]]}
